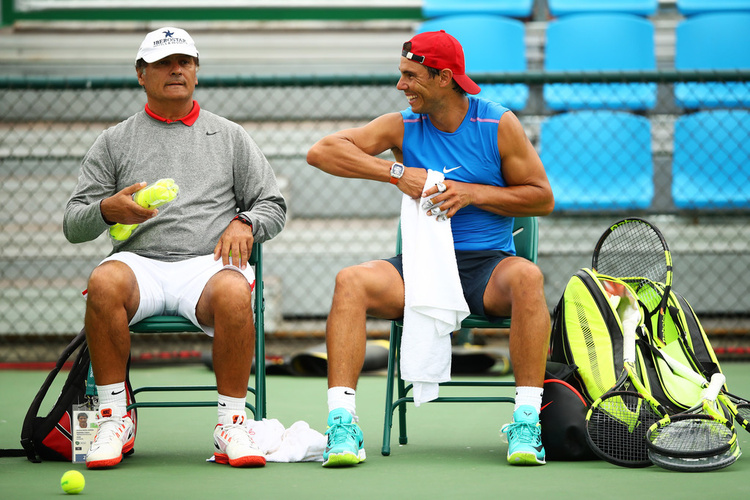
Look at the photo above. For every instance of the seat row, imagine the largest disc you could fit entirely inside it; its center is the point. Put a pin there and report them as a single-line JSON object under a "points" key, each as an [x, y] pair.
{"points": [[523, 9], [605, 42], [602, 160]]}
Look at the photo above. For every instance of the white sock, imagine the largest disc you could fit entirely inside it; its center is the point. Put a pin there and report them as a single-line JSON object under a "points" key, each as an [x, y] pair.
{"points": [[231, 406], [531, 396], [113, 396], [342, 397]]}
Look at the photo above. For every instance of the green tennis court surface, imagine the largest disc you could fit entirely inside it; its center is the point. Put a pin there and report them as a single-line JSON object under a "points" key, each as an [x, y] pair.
{"points": [[454, 451]]}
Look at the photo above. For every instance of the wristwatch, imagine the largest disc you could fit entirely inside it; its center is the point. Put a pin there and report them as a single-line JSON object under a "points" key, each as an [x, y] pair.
{"points": [[397, 170]]}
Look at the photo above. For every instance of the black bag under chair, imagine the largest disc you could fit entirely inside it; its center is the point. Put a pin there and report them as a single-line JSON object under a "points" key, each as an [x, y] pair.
{"points": [[563, 416]]}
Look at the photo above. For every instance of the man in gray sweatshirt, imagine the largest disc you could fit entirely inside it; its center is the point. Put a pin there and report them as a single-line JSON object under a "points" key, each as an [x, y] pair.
{"points": [[188, 257]]}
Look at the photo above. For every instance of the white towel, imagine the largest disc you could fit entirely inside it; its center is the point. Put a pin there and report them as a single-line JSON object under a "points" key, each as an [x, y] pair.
{"points": [[434, 301]]}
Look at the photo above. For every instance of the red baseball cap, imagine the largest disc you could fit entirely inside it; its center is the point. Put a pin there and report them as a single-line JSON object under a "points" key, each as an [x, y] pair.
{"points": [[439, 50]]}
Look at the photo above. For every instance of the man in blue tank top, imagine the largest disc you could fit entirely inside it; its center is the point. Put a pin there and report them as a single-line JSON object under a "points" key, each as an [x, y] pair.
{"points": [[492, 174]]}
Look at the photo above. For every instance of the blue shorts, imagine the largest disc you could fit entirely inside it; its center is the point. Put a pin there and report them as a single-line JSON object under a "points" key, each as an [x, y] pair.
{"points": [[474, 269]]}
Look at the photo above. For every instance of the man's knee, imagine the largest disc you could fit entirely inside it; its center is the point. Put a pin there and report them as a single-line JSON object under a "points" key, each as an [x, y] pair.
{"points": [[112, 280], [350, 279], [530, 277], [228, 292]]}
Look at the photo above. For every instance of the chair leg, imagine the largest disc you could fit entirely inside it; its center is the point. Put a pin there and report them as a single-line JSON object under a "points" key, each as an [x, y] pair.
{"points": [[388, 420], [260, 350], [402, 438], [401, 393]]}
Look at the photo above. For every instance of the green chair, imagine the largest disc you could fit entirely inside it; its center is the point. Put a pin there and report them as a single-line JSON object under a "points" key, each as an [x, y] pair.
{"points": [[178, 324], [526, 238]]}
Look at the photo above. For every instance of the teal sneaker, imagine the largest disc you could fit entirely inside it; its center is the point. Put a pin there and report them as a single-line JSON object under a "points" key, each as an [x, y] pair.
{"points": [[525, 437], [345, 441]]}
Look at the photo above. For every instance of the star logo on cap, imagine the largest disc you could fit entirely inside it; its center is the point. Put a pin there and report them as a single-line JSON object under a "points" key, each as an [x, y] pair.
{"points": [[168, 34]]}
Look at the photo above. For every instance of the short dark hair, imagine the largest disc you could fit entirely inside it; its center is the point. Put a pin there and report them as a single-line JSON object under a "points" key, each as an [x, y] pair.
{"points": [[433, 72]]}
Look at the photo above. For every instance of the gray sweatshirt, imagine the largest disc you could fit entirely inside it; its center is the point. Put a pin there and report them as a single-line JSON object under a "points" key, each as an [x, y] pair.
{"points": [[219, 170]]}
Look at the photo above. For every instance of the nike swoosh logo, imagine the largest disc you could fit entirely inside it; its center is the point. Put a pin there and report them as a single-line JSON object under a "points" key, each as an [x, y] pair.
{"points": [[222, 404], [211, 133], [118, 392], [349, 393], [448, 170]]}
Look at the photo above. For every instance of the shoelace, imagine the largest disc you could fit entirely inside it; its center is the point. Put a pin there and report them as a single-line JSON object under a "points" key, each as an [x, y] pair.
{"points": [[524, 431], [338, 432], [108, 428], [239, 435]]}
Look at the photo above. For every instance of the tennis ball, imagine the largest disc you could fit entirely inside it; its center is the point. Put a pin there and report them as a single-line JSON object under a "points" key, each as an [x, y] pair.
{"points": [[72, 482]]}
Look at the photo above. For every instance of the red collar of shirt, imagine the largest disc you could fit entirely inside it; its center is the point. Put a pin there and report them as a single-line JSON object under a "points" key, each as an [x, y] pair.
{"points": [[188, 119]]}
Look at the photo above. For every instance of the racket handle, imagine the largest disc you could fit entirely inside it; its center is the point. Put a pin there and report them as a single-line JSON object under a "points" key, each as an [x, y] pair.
{"points": [[714, 388], [684, 371], [630, 320]]}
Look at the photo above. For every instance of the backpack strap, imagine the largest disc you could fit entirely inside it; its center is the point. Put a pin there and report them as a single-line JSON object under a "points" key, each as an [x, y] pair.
{"points": [[27, 440]]}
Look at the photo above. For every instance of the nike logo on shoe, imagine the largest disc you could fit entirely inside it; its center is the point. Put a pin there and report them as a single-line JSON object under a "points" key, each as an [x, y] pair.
{"points": [[448, 170], [211, 133]]}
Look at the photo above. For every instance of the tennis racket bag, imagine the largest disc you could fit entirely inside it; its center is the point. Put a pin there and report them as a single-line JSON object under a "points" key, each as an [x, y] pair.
{"points": [[50, 437], [587, 332]]}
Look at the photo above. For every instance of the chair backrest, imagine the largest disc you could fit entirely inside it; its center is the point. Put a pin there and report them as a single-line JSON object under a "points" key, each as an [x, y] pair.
{"points": [[598, 160], [590, 42], [525, 237], [568, 7], [600, 42], [510, 8], [711, 161], [713, 41], [491, 44], [692, 7]]}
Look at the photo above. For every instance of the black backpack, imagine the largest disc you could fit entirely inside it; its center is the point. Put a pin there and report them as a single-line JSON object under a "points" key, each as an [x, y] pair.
{"points": [[50, 437]]}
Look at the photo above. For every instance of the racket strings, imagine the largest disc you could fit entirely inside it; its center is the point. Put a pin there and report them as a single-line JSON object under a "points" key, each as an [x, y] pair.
{"points": [[633, 250], [692, 437], [617, 427]]}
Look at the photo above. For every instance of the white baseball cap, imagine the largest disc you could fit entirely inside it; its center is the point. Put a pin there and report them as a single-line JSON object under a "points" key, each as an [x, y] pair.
{"points": [[164, 42]]}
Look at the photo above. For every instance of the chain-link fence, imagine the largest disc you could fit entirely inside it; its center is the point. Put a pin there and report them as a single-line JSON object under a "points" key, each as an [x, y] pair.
{"points": [[685, 168]]}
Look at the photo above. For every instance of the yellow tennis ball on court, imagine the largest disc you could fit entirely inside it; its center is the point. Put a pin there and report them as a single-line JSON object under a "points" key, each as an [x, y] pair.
{"points": [[72, 482]]}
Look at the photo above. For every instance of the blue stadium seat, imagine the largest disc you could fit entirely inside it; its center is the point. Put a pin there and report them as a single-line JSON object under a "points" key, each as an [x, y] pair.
{"points": [[568, 7], [711, 160], [600, 42], [598, 160], [491, 44], [692, 7], [713, 41], [510, 8]]}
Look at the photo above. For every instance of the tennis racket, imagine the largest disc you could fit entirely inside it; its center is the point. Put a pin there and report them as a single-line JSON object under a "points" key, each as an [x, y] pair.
{"points": [[737, 406], [700, 439], [617, 422], [636, 249]]}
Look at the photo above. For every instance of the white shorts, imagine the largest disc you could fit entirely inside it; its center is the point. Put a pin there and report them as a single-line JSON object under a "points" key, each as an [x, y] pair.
{"points": [[174, 288]]}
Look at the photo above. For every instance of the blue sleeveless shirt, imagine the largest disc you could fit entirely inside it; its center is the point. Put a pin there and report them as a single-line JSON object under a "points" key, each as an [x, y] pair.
{"points": [[467, 155]]}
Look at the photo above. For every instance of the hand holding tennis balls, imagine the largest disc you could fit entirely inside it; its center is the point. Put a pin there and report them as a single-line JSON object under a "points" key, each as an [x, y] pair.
{"points": [[72, 482], [152, 196]]}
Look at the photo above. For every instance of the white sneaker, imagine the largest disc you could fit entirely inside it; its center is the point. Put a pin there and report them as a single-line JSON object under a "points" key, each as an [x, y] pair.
{"points": [[115, 435], [234, 445]]}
